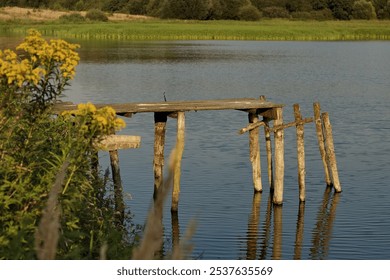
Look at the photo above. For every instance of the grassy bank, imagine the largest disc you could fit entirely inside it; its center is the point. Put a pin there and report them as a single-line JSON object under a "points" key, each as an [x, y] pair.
{"points": [[208, 30]]}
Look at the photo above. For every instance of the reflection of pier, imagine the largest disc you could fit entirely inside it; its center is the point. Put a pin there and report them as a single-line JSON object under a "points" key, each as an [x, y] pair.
{"points": [[270, 238]]}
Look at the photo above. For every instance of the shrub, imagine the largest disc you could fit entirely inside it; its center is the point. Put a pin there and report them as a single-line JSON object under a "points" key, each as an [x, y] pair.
{"points": [[48, 187], [249, 13], [96, 15], [363, 9], [72, 18], [275, 12]]}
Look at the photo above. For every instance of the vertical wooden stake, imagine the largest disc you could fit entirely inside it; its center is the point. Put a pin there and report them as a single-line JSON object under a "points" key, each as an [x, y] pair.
{"points": [[160, 123], [178, 157], [330, 151], [320, 138], [300, 152], [118, 189], [279, 158], [254, 152], [268, 147]]}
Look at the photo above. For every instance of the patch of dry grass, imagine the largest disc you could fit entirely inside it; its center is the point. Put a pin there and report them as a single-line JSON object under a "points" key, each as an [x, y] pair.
{"points": [[15, 13]]}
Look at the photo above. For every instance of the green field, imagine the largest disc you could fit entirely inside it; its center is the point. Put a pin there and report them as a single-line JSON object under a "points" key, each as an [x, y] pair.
{"points": [[208, 30]]}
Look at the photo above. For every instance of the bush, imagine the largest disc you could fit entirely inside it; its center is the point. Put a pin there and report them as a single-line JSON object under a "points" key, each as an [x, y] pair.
{"points": [[275, 12], [363, 9], [96, 15], [72, 18], [324, 14], [249, 13], [49, 190]]}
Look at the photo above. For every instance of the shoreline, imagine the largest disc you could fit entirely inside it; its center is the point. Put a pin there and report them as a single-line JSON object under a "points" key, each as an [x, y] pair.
{"points": [[141, 28]]}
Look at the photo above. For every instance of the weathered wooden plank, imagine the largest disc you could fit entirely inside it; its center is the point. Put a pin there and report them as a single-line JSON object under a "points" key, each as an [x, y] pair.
{"points": [[118, 189], [117, 142], [183, 106]]}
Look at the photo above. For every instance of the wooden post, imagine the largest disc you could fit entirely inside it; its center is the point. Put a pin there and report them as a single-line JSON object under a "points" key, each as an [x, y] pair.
{"points": [[300, 152], [279, 158], [330, 151], [118, 189], [254, 153], [320, 138], [160, 123], [178, 157], [268, 148]]}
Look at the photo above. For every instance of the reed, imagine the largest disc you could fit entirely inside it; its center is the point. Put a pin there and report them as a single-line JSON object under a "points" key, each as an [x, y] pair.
{"points": [[208, 30]]}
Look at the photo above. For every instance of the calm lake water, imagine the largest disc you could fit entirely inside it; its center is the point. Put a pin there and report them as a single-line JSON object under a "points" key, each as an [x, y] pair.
{"points": [[351, 80]]}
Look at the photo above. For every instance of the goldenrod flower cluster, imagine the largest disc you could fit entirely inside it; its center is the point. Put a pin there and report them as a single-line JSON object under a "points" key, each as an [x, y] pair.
{"points": [[95, 121], [12, 70], [40, 60]]}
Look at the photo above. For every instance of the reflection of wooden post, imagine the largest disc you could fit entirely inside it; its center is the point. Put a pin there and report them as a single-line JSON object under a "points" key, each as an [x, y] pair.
{"points": [[253, 227], [279, 158], [278, 225], [300, 232], [268, 147], [118, 189], [300, 152], [175, 231], [330, 151], [254, 151], [320, 138], [160, 123], [178, 157]]}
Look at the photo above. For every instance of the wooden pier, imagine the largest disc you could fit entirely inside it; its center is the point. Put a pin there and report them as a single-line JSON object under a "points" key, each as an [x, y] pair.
{"points": [[254, 108]]}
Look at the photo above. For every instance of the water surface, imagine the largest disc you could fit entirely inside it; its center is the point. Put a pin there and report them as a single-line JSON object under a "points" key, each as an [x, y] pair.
{"points": [[349, 79]]}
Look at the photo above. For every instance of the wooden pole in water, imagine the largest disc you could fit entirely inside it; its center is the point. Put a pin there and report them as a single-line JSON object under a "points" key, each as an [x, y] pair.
{"points": [[254, 153], [300, 152], [160, 123], [268, 148], [279, 158], [178, 157], [321, 143], [118, 189], [330, 151]]}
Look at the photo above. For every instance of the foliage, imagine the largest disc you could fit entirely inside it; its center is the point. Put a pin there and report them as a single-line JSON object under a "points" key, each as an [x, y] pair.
{"points": [[41, 73], [363, 9], [249, 13], [72, 18], [275, 12], [215, 9], [35, 147], [96, 15]]}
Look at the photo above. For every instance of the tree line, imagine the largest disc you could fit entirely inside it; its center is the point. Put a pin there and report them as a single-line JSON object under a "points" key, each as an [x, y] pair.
{"points": [[225, 9]]}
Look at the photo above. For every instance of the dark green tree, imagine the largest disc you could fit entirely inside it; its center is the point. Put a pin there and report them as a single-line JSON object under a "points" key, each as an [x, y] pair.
{"points": [[341, 9]]}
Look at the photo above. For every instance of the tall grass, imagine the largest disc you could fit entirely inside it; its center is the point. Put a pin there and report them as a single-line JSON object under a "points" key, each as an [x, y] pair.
{"points": [[210, 30]]}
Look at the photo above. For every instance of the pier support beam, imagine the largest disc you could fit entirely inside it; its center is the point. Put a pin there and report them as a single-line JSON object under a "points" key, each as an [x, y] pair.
{"points": [[118, 189], [254, 153], [300, 152], [178, 157], [160, 123], [279, 158], [330, 151], [268, 148], [321, 143]]}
